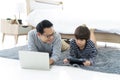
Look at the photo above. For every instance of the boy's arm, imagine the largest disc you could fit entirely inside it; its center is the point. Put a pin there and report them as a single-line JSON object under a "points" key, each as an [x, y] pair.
{"points": [[91, 59], [72, 49], [93, 53]]}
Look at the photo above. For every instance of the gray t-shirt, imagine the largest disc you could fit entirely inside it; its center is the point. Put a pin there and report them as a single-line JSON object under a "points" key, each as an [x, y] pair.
{"points": [[35, 44]]}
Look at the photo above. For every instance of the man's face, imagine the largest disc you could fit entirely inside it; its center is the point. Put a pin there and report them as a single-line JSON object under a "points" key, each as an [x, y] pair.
{"points": [[48, 35]]}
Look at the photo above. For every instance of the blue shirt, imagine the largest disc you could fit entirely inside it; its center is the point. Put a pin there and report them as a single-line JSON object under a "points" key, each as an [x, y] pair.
{"points": [[88, 53]]}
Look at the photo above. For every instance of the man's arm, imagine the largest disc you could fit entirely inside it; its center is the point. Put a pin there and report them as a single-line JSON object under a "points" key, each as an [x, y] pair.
{"points": [[31, 41], [56, 53]]}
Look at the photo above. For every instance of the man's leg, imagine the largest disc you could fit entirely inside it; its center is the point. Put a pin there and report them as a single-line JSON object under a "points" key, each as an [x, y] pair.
{"points": [[65, 46]]}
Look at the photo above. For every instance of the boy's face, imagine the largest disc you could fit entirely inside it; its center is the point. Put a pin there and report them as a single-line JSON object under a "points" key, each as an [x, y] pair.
{"points": [[81, 43], [48, 35]]}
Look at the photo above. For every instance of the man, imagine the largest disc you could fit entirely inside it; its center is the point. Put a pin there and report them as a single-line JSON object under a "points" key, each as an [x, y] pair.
{"points": [[45, 39]]}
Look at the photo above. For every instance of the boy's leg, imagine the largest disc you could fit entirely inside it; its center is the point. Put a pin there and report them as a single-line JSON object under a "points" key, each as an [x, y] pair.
{"points": [[92, 36]]}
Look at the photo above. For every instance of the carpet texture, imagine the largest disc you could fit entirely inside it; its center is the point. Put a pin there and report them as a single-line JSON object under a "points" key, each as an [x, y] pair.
{"points": [[107, 60]]}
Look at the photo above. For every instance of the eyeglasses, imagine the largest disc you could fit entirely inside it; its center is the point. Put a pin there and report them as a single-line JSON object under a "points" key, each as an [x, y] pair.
{"points": [[50, 35]]}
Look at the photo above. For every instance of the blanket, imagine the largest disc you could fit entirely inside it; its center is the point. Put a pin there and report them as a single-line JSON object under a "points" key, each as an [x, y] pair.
{"points": [[106, 61]]}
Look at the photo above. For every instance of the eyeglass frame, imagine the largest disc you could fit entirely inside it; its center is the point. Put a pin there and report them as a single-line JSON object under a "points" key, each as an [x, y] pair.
{"points": [[50, 35]]}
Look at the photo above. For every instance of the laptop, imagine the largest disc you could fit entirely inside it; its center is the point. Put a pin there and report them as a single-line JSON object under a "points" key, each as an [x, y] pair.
{"points": [[34, 60]]}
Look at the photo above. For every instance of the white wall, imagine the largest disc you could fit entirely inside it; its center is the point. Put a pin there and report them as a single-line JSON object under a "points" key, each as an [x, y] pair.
{"points": [[100, 13], [8, 8], [94, 9]]}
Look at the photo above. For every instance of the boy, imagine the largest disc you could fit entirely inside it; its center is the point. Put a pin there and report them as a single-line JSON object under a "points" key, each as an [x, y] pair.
{"points": [[82, 48]]}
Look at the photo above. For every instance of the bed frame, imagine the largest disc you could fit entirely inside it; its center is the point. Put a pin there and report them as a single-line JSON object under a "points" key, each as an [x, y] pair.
{"points": [[101, 36]]}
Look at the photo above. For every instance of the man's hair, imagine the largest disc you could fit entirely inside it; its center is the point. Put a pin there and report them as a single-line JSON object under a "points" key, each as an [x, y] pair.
{"points": [[82, 32], [42, 25]]}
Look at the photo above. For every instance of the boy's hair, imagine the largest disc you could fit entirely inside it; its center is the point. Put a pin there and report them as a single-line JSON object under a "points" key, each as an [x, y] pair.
{"points": [[82, 32], [42, 25]]}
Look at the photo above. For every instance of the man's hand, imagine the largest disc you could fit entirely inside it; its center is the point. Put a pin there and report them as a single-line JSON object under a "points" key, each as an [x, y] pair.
{"points": [[51, 61]]}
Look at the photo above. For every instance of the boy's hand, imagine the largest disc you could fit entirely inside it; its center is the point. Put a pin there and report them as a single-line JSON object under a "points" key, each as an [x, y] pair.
{"points": [[87, 63], [65, 61]]}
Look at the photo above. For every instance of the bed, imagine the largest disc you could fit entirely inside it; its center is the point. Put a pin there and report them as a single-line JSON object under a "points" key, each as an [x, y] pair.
{"points": [[65, 23], [105, 31]]}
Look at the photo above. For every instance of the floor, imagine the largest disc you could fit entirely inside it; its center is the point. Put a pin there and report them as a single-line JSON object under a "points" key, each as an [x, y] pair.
{"points": [[9, 41], [11, 68]]}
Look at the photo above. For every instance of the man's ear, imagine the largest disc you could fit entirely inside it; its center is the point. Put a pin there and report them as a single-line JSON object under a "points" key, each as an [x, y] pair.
{"points": [[39, 34]]}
